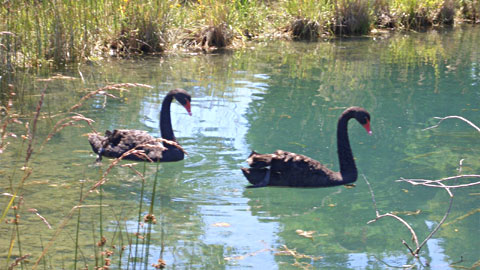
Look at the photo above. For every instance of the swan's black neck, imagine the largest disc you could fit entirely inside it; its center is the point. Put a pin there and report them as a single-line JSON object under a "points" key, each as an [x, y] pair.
{"points": [[165, 121], [348, 170]]}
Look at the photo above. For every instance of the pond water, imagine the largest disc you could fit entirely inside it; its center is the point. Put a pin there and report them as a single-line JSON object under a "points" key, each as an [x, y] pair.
{"points": [[279, 95]]}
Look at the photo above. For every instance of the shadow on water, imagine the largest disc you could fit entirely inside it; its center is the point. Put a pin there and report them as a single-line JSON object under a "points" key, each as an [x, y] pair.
{"points": [[275, 96]]}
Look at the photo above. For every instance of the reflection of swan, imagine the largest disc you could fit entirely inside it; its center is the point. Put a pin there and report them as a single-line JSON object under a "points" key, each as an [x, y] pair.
{"points": [[289, 169], [116, 143]]}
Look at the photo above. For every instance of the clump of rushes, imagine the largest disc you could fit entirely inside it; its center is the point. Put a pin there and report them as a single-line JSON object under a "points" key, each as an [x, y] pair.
{"points": [[142, 27], [308, 17], [470, 10], [42, 33], [304, 29], [210, 38], [351, 17], [382, 16], [213, 27], [215, 36], [416, 14]]}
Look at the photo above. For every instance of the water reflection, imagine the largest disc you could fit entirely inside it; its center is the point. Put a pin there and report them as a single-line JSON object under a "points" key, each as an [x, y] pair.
{"points": [[282, 95]]}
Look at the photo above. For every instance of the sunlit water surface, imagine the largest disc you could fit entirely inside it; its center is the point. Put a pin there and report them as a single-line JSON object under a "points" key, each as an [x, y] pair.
{"points": [[275, 96]]}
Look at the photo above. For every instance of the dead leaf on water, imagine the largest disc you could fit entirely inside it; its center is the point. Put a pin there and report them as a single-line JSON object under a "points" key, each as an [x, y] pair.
{"points": [[221, 224], [299, 144], [37, 182], [56, 77], [241, 257], [306, 234], [407, 213], [292, 252], [336, 108]]}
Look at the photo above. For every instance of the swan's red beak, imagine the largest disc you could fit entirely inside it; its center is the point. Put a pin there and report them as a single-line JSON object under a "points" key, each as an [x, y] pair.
{"points": [[367, 127], [187, 107]]}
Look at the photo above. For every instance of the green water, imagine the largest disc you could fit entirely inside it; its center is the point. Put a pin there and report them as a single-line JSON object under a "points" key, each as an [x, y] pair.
{"points": [[279, 95]]}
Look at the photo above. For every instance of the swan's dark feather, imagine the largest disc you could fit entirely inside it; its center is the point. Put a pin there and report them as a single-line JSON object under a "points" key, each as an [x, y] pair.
{"points": [[116, 143], [289, 169]]}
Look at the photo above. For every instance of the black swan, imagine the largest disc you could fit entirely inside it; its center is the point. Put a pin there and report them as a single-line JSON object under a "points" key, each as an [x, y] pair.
{"points": [[289, 169], [115, 144]]}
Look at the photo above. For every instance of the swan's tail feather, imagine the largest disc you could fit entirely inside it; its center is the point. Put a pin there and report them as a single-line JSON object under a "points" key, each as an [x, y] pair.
{"points": [[255, 175]]}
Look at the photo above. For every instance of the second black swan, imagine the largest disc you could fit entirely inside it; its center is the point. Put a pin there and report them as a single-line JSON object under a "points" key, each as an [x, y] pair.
{"points": [[115, 143], [289, 169]]}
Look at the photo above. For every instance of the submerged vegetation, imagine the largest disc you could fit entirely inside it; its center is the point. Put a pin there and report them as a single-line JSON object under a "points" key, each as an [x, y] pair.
{"points": [[39, 33], [126, 215]]}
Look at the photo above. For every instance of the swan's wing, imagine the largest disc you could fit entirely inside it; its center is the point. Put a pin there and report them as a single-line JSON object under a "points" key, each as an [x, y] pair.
{"points": [[96, 140]]}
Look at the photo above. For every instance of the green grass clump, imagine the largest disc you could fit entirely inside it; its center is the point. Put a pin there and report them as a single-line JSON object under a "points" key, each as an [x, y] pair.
{"points": [[415, 13]]}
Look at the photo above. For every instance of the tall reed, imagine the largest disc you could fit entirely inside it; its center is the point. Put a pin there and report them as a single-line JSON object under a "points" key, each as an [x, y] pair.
{"points": [[352, 17], [43, 33]]}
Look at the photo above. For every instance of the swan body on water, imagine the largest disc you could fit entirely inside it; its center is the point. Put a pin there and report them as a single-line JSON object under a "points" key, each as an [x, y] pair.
{"points": [[290, 169], [117, 142]]}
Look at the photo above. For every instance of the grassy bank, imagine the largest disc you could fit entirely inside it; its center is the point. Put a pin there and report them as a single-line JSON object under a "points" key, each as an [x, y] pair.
{"points": [[55, 32], [94, 229]]}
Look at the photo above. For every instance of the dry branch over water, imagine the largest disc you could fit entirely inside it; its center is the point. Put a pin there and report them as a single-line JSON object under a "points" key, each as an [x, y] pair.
{"points": [[438, 183]]}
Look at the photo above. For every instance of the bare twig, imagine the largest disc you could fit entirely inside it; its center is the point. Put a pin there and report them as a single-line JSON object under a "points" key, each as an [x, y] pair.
{"points": [[31, 133], [7, 119], [407, 266], [79, 205], [173, 143], [452, 117], [441, 221], [35, 211], [130, 166], [378, 216], [90, 206], [61, 124], [133, 151], [438, 183], [460, 166], [104, 91], [414, 236], [18, 261]]}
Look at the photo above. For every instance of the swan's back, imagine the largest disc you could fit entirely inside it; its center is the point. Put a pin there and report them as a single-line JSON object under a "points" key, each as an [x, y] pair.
{"points": [[115, 144], [289, 169]]}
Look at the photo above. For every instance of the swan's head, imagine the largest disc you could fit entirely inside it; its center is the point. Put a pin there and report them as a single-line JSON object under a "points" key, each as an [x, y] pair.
{"points": [[183, 98], [363, 117]]}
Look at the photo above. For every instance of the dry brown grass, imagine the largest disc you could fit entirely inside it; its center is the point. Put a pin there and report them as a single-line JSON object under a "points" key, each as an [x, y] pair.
{"points": [[210, 38], [352, 17], [470, 10], [304, 29]]}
